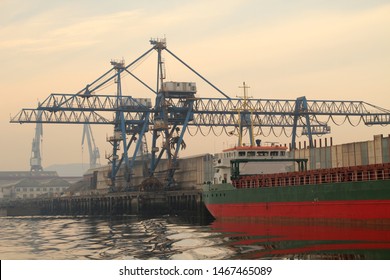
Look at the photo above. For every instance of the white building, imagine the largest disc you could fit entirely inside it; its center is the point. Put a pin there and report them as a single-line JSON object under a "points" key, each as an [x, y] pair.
{"points": [[24, 184]]}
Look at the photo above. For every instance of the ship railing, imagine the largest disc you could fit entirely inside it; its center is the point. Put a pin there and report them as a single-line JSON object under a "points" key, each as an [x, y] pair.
{"points": [[361, 173]]}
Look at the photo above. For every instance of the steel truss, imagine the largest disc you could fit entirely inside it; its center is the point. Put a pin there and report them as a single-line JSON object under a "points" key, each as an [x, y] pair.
{"points": [[170, 117]]}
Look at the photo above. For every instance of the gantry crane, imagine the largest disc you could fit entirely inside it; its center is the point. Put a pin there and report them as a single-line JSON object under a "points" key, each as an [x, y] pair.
{"points": [[93, 150], [175, 112]]}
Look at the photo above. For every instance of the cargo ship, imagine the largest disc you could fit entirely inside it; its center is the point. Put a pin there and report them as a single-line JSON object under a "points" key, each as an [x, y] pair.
{"points": [[260, 182]]}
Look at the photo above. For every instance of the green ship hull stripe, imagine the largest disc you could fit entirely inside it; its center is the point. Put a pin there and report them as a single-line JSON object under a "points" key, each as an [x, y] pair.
{"points": [[368, 190]]}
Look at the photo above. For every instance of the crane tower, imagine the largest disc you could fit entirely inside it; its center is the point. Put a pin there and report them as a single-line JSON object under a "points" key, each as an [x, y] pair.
{"points": [[36, 160]]}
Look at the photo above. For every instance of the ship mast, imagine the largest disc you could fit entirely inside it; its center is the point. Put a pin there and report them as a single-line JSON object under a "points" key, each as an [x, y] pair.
{"points": [[245, 117]]}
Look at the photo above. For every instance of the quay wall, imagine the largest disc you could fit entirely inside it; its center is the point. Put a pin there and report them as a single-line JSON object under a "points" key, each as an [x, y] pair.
{"points": [[125, 203]]}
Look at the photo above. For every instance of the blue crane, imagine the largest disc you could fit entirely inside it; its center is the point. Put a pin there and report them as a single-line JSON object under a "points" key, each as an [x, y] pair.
{"points": [[177, 110]]}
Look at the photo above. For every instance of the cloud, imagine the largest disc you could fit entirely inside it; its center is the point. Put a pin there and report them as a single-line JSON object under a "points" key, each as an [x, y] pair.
{"points": [[52, 31], [44, 34]]}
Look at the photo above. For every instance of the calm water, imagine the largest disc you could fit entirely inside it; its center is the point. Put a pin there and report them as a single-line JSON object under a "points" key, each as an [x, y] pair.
{"points": [[168, 237]]}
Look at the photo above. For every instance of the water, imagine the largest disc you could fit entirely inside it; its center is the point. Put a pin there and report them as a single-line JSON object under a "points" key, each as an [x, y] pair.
{"points": [[173, 237]]}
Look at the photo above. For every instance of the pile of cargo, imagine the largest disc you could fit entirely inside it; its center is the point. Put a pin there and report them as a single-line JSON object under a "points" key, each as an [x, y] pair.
{"points": [[360, 173]]}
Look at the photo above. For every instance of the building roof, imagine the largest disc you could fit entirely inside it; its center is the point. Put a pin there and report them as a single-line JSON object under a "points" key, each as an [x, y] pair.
{"points": [[57, 182], [27, 179], [28, 183], [18, 175]]}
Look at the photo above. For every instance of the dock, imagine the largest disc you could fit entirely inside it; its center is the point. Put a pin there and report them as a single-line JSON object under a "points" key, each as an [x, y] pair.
{"points": [[122, 203]]}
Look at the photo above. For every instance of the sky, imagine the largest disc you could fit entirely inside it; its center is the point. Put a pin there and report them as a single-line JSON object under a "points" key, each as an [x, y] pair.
{"points": [[325, 50]]}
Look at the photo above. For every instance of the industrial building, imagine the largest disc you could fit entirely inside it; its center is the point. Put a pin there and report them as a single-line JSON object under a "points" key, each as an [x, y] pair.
{"points": [[26, 184], [191, 173]]}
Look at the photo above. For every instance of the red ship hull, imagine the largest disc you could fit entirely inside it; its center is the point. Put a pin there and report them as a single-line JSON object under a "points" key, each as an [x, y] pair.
{"points": [[365, 209]]}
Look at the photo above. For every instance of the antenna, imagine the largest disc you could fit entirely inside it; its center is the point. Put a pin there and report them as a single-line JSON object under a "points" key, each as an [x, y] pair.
{"points": [[245, 97], [243, 116]]}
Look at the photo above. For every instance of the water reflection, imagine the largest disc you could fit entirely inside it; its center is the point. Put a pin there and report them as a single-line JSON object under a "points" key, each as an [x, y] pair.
{"points": [[128, 237], [172, 238], [307, 239]]}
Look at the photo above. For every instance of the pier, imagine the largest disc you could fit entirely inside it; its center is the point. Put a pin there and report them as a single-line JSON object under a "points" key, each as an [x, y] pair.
{"points": [[123, 203]]}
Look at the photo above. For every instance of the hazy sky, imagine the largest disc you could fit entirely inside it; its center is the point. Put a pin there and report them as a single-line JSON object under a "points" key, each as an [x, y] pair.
{"points": [[282, 49]]}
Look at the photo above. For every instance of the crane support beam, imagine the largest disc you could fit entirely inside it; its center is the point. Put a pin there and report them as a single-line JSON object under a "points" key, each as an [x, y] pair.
{"points": [[95, 103], [64, 117], [372, 119], [206, 112], [301, 110]]}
